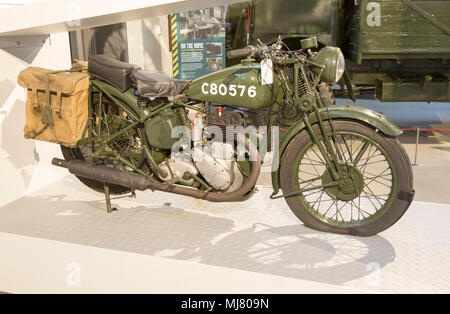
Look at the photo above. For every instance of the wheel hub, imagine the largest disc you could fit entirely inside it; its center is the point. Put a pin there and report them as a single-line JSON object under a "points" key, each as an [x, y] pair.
{"points": [[349, 187]]}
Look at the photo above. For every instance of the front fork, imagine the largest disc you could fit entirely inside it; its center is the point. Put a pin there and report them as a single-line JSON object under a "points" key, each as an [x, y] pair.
{"points": [[331, 157]]}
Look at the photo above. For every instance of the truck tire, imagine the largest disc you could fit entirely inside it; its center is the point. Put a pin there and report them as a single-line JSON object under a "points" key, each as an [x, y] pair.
{"points": [[326, 94]]}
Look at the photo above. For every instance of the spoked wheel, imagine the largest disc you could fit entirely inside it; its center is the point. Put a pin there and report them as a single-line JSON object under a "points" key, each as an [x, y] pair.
{"points": [[372, 193]]}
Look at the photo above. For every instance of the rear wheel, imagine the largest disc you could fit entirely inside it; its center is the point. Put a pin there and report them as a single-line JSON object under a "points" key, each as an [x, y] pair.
{"points": [[371, 197], [126, 146]]}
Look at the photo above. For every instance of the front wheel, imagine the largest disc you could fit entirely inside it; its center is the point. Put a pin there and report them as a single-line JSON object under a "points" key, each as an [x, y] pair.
{"points": [[373, 192]]}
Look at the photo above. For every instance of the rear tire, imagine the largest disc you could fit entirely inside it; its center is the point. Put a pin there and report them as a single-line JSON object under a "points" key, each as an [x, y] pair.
{"points": [[395, 206]]}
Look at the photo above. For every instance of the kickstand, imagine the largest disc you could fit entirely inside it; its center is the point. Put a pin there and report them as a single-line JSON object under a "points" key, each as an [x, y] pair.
{"points": [[108, 199]]}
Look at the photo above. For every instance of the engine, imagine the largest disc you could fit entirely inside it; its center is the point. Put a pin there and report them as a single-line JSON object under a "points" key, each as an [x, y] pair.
{"points": [[217, 164], [213, 155]]}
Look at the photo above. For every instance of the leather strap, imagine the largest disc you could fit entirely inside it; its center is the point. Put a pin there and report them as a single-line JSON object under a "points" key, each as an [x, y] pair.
{"points": [[47, 116], [58, 107], [35, 100]]}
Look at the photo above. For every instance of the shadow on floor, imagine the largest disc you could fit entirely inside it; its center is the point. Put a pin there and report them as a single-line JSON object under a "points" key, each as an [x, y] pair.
{"points": [[162, 230]]}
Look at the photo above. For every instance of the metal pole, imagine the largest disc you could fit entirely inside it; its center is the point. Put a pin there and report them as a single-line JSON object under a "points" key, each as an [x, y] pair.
{"points": [[417, 147]]}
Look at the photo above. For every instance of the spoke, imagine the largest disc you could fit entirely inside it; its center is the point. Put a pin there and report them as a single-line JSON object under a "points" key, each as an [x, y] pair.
{"points": [[305, 195], [364, 167], [320, 158], [318, 200], [313, 161], [381, 174], [308, 185], [375, 180], [315, 169], [360, 211], [311, 180], [381, 183], [325, 214], [351, 211], [358, 147], [368, 197], [350, 155], [374, 196], [338, 211], [373, 156], [338, 148], [376, 162], [310, 173], [311, 164], [351, 146], [361, 153]]}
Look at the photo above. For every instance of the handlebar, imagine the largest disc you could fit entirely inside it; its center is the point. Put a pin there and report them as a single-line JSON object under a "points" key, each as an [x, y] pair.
{"points": [[240, 53]]}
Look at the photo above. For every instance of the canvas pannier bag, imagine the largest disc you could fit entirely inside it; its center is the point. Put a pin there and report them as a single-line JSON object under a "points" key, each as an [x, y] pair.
{"points": [[57, 105]]}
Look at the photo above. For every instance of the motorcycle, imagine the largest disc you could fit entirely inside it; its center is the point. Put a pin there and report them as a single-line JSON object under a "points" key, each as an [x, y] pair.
{"points": [[340, 169]]}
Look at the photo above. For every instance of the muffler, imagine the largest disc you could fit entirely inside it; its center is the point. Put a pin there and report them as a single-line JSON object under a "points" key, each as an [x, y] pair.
{"points": [[104, 174]]}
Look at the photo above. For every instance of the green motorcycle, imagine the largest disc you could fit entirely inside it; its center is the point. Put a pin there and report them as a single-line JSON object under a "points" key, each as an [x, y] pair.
{"points": [[339, 168]]}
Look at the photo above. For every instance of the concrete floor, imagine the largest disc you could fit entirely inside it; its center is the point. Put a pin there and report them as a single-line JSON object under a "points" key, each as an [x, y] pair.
{"points": [[180, 236], [432, 172], [259, 236], [256, 238]]}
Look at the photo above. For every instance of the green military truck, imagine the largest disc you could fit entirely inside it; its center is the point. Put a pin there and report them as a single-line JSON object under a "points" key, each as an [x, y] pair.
{"points": [[397, 50]]}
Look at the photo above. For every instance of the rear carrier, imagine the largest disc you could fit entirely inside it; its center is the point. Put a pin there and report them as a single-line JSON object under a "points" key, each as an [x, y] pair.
{"points": [[57, 105]]}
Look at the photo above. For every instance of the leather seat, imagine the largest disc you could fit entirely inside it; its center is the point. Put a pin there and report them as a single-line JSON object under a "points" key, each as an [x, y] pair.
{"points": [[115, 72], [157, 84]]}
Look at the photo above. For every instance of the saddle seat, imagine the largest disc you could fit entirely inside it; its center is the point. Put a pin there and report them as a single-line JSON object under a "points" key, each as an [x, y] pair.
{"points": [[115, 72], [123, 76], [157, 84]]}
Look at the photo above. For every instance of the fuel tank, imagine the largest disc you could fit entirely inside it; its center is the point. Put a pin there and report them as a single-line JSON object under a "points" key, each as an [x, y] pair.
{"points": [[237, 86]]}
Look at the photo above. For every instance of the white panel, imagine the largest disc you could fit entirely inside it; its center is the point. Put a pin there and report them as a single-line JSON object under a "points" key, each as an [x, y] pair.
{"points": [[64, 15], [25, 164], [148, 44]]}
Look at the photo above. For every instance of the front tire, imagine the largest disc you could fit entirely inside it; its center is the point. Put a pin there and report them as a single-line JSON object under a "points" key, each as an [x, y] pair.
{"points": [[374, 196]]}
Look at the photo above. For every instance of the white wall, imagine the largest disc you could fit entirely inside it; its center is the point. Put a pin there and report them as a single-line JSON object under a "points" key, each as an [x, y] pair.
{"points": [[12, 3], [25, 164], [148, 44]]}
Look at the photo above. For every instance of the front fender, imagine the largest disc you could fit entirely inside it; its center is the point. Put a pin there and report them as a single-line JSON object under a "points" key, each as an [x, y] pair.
{"points": [[347, 112]]}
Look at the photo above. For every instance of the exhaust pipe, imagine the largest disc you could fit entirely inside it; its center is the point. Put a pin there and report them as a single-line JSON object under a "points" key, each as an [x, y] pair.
{"points": [[139, 182], [104, 174]]}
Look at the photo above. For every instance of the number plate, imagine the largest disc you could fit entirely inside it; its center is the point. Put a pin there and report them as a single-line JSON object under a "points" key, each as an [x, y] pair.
{"points": [[266, 72], [229, 90]]}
